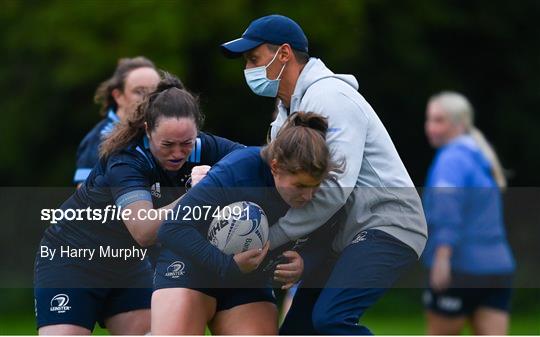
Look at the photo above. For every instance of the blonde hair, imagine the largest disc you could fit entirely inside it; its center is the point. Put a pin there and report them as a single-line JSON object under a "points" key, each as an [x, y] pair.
{"points": [[461, 112]]}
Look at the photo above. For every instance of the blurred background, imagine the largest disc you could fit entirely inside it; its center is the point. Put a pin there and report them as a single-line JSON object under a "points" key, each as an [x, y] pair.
{"points": [[55, 53]]}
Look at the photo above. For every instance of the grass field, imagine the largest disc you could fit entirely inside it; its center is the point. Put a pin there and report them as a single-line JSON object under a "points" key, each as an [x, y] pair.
{"points": [[398, 313], [413, 324], [381, 325]]}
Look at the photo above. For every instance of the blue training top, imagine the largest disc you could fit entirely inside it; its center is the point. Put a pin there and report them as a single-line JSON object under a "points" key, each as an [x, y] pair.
{"points": [[463, 208], [241, 176], [130, 175], [88, 150]]}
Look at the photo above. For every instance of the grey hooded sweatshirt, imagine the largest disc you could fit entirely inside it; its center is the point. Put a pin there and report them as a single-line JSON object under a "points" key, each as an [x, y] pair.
{"points": [[374, 191]]}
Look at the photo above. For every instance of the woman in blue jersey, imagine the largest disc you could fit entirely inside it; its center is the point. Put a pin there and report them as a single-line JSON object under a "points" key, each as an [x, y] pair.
{"points": [[230, 293], [144, 166], [469, 259], [118, 96]]}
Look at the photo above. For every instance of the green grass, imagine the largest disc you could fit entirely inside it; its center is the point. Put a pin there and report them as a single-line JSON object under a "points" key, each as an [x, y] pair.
{"points": [[380, 324], [26, 325], [398, 313], [414, 324]]}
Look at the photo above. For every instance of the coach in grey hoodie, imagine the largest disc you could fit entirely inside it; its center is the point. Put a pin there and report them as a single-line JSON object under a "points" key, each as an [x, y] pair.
{"points": [[382, 227], [374, 188]]}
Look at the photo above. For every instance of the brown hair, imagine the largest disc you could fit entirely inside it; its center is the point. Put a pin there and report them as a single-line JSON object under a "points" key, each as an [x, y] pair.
{"points": [[170, 99], [103, 95], [300, 146]]}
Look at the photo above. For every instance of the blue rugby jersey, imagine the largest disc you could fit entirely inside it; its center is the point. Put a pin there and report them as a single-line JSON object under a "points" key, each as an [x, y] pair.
{"points": [[464, 209], [241, 176], [132, 172], [88, 150]]}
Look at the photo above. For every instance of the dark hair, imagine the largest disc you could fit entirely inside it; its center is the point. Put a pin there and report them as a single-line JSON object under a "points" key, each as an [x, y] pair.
{"points": [[170, 99], [300, 146], [301, 56], [103, 95]]}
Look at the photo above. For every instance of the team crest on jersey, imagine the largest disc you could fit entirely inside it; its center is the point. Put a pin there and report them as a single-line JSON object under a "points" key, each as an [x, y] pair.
{"points": [[176, 269], [360, 237], [59, 303], [156, 190]]}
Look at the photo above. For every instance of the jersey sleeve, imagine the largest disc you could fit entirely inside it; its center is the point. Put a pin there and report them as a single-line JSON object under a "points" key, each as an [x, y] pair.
{"points": [[129, 180], [450, 169], [186, 236], [87, 158], [445, 197], [213, 148]]}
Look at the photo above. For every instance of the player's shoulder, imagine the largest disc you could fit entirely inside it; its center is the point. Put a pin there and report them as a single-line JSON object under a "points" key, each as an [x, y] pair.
{"points": [[240, 165], [102, 128], [206, 137], [329, 87], [135, 155], [209, 141], [339, 102], [210, 149], [456, 152], [245, 156]]}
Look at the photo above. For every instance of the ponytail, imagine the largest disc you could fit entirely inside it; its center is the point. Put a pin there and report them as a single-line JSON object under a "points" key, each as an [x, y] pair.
{"points": [[300, 146], [488, 151]]}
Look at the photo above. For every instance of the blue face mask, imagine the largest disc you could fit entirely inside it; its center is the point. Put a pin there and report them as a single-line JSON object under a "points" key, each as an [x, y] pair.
{"points": [[259, 83]]}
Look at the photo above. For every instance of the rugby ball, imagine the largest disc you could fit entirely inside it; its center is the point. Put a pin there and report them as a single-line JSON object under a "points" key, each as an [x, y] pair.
{"points": [[238, 227]]}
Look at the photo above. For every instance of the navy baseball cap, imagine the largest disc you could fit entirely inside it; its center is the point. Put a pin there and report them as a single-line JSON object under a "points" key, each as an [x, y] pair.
{"points": [[273, 29]]}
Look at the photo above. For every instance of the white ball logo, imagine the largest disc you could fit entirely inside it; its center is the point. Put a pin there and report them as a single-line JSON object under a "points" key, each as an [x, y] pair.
{"points": [[240, 226]]}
